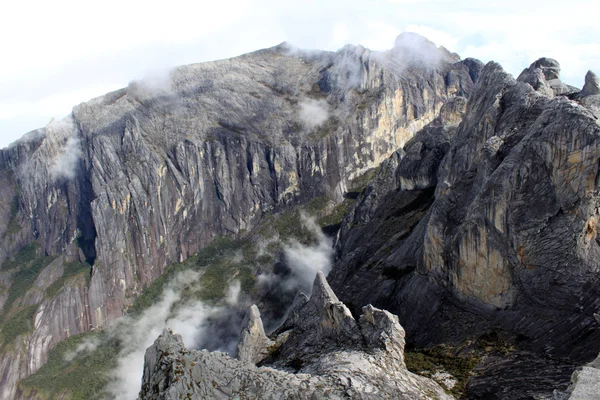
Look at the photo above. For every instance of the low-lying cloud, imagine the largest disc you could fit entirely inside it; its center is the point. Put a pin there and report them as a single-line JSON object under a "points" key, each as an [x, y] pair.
{"points": [[313, 113], [195, 321], [294, 272], [209, 326], [65, 164], [64, 147], [306, 261]]}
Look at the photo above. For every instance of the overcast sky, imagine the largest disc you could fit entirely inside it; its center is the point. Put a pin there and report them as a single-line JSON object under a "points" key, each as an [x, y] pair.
{"points": [[56, 54]]}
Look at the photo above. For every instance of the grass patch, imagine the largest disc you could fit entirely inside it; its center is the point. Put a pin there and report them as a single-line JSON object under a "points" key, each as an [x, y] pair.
{"points": [[356, 187], [217, 260], [84, 377], [70, 270], [28, 264], [286, 226], [17, 324], [316, 205], [13, 227], [358, 184], [337, 214], [427, 362]]}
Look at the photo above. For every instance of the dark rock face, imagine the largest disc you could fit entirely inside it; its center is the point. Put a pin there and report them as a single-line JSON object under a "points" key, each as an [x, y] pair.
{"points": [[488, 226], [333, 355], [149, 174]]}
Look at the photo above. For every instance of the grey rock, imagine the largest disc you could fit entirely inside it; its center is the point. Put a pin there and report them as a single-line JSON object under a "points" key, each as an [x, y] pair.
{"points": [[544, 76], [591, 86], [586, 382], [253, 346], [365, 361]]}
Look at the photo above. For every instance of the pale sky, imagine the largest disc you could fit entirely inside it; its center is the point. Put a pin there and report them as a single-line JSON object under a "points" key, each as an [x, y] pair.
{"points": [[59, 53]]}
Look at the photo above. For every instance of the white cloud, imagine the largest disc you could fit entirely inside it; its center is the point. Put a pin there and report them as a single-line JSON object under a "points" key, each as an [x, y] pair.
{"points": [[193, 321], [313, 113], [438, 37]]}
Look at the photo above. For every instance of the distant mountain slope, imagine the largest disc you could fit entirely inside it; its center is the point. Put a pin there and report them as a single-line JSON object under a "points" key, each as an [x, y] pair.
{"points": [[93, 208]]}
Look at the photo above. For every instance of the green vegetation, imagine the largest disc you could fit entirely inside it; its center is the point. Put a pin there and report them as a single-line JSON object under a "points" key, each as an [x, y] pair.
{"points": [[427, 362], [27, 265], [71, 269], [337, 214], [17, 324], [218, 263], [13, 227], [84, 375], [316, 205], [359, 183]]}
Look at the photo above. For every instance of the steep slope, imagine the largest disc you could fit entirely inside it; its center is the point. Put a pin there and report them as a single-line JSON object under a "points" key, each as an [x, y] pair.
{"points": [[146, 176], [490, 227], [322, 353]]}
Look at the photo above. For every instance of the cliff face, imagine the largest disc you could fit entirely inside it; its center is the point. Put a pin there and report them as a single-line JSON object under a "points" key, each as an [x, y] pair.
{"points": [[489, 225], [146, 176]]}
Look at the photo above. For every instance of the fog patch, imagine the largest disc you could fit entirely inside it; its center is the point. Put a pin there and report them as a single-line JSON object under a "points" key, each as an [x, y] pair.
{"points": [[306, 261], [87, 346], [300, 263], [65, 165], [63, 141], [193, 320], [154, 83], [313, 113], [263, 246], [214, 327], [413, 50], [32, 136]]}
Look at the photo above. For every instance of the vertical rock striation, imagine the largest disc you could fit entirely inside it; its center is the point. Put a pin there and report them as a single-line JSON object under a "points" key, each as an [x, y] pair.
{"points": [[147, 175], [488, 225]]}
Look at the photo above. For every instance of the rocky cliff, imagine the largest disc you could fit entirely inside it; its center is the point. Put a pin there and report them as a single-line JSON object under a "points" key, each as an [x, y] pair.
{"points": [[489, 226], [321, 352], [146, 176], [479, 229]]}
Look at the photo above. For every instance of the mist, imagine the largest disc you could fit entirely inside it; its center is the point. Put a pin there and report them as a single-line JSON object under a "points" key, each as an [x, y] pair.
{"points": [[65, 165], [306, 261], [65, 148], [214, 326], [313, 113], [294, 272], [413, 50], [194, 320]]}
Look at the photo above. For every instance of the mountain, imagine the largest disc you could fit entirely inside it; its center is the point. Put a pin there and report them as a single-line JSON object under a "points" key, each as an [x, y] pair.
{"points": [[458, 198]]}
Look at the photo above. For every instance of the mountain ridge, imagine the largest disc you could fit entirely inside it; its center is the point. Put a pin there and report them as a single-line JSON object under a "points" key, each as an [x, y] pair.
{"points": [[148, 175]]}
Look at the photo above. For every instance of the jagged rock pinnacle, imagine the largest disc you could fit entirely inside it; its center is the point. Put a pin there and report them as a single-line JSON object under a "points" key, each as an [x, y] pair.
{"points": [[253, 345], [334, 368], [591, 86]]}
